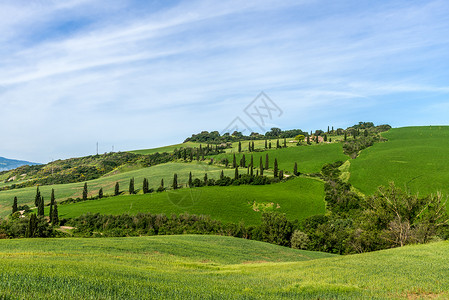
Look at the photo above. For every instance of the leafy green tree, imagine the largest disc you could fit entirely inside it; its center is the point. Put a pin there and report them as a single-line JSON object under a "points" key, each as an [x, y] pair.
{"points": [[14, 205], [275, 168], [85, 191], [276, 229], [117, 189], [100, 193], [175, 181], [131, 186]]}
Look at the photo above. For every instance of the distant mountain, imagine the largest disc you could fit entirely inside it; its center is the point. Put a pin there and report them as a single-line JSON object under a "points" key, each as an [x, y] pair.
{"points": [[9, 164]]}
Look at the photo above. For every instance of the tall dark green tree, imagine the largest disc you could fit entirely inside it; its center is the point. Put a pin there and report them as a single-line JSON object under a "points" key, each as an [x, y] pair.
{"points": [[184, 154], [267, 163], [285, 143], [40, 207], [325, 137], [205, 178], [308, 140], [221, 174], [145, 186], [55, 218], [281, 174], [175, 181], [234, 162], [261, 166], [266, 144], [100, 193], [37, 198], [85, 191], [14, 205], [252, 146], [162, 182], [275, 168], [117, 189], [240, 146], [131, 186], [277, 144], [295, 169], [191, 154], [32, 224], [190, 179], [249, 147], [346, 136], [269, 145], [52, 203], [236, 173]]}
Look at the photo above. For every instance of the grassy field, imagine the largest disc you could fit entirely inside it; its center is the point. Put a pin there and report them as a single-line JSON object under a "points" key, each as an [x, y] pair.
{"points": [[166, 148], [298, 198], [310, 159], [415, 158], [211, 267], [153, 174]]}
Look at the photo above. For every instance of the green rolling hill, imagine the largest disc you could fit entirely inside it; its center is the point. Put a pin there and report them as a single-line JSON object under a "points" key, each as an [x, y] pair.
{"points": [[214, 267], [415, 158]]}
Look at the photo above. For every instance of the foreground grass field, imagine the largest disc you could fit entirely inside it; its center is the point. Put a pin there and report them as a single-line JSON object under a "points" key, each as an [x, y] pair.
{"points": [[153, 174], [298, 198], [212, 267], [415, 158]]}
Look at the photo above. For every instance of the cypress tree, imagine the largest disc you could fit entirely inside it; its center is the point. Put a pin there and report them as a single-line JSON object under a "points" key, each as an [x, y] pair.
{"points": [[251, 171], [240, 146], [100, 193], [308, 140], [267, 165], [252, 145], [281, 174], [346, 136], [197, 155], [40, 207], [184, 154], [14, 205], [266, 144], [328, 130], [37, 198], [236, 173], [277, 144], [145, 186], [325, 137], [205, 179], [275, 168], [249, 146], [221, 174], [117, 189], [243, 161], [269, 145], [162, 182], [317, 140], [52, 203], [252, 161], [234, 162], [131, 186], [285, 143], [295, 169], [85, 191], [261, 166], [191, 154], [31, 229], [175, 181], [190, 179], [55, 218]]}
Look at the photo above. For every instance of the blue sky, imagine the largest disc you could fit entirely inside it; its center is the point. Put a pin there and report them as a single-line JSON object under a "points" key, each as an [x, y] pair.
{"points": [[141, 74]]}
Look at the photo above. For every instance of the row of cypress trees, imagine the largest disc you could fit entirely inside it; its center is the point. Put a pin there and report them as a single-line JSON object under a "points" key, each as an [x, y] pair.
{"points": [[39, 202]]}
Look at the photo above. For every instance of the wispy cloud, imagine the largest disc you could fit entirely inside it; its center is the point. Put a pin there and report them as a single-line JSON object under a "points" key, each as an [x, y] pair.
{"points": [[140, 75]]}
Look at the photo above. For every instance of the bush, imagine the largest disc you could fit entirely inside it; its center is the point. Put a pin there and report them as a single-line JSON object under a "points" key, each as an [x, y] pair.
{"points": [[299, 240]]}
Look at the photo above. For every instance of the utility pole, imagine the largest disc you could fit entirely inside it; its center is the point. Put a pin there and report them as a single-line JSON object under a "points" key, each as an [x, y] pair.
{"points": [[97, 148]]}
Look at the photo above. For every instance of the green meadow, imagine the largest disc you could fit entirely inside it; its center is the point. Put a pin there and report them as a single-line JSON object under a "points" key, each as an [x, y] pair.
{"points": [[214, 267], [169, 148], [154, 175], [310, 159], [298, 198], [415, 158]]}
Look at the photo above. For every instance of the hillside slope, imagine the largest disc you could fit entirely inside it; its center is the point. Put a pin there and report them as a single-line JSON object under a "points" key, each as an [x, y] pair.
{"points": [[213, 267], [415, 158], [9, 164]]}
